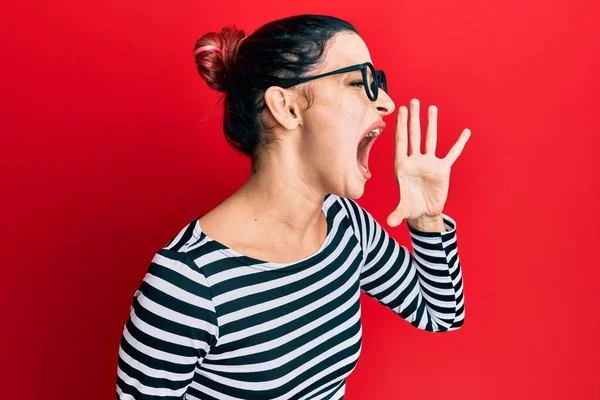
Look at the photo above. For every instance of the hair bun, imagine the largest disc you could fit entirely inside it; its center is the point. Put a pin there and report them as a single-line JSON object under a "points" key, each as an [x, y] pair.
{"points": [[214, 53]]}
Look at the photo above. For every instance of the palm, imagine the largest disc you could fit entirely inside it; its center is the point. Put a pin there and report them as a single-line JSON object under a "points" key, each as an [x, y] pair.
{"points": [[423, 178], [423, 184]]}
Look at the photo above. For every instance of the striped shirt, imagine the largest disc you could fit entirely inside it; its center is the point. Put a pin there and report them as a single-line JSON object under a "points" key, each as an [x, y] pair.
{"points": [[210, 323]]}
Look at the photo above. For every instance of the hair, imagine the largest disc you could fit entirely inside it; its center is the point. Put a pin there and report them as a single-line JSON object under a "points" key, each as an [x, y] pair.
{"points": [[245, 67]]}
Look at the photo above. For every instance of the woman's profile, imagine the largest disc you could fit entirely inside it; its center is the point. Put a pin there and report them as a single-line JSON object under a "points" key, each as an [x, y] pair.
{"points": [[259, 297]]}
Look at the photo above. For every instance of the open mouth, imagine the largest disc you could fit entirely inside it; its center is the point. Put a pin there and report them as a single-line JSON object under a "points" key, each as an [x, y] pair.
{"points": [[364, 147]]}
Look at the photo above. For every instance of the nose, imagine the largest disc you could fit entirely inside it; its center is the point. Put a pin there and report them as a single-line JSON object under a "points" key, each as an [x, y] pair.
{"points": [[385, 104]]}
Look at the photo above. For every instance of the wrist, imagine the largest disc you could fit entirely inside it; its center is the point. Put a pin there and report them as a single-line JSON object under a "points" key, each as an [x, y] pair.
{"points": [[426, 223]]}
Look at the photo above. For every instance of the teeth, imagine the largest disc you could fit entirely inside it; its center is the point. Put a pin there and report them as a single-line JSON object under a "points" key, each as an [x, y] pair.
{"points": [[374, 132]]}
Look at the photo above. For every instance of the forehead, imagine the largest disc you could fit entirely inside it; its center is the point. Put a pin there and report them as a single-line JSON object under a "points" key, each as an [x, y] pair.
{"points": [[345, 49]]}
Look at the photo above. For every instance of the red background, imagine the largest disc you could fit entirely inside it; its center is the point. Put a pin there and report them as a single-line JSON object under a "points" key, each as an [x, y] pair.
{"points": [[111, 143]]}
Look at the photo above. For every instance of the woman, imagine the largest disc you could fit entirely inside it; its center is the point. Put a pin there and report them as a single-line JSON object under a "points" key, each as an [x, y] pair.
{"points": [[259, 298]]}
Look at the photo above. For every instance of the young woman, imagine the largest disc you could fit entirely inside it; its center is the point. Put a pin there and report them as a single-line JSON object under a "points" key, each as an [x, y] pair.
{"points": [[259, 298]]}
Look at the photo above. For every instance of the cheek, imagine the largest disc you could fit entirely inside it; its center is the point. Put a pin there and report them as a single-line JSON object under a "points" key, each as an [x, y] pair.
{"points": [[334, 128], [340, 153], [329, 152], [338, 144]]}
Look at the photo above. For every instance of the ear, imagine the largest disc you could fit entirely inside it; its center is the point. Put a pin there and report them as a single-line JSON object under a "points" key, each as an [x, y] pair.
{"points": [[283, 106]]}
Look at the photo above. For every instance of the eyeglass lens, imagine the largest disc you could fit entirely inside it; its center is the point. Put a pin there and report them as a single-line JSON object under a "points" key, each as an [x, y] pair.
{"points": [[372, 84]]}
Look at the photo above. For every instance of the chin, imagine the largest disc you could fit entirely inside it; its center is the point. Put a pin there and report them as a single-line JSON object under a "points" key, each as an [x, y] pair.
{"points": [[348, 182], [354, 189], [356, 194]]}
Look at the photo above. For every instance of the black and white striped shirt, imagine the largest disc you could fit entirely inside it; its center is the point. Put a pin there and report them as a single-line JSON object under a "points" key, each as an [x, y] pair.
{"points": [[210, 323]]}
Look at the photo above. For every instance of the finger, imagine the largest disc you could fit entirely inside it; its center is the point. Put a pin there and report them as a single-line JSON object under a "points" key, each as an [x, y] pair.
{"points": [[401, 133], [415, 127], [396, 217], [458, 147], [431, 139]]}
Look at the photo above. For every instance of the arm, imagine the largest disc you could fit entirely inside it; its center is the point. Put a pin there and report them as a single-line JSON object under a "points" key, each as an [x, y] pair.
{"points": [[171, 327], [425, 288]]}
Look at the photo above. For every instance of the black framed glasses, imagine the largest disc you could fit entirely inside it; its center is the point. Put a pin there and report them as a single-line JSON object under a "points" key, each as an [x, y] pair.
{"points": [[373, 79]]}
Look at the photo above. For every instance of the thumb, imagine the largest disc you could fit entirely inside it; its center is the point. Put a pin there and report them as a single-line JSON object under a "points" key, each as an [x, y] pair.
{"points": [[397, 216]]}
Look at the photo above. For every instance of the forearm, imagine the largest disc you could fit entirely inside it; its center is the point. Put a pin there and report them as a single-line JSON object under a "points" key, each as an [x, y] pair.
{"points": [[439, 298], [434, 253]]}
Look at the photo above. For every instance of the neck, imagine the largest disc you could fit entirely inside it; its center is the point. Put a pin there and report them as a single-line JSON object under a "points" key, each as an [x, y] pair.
{"points": [[287, 206]]}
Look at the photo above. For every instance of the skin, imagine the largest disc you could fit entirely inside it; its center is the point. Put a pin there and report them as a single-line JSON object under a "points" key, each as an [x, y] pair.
{"points": [[276, 215]]}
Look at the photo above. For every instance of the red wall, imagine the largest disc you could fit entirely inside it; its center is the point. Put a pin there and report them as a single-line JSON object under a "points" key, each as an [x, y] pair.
{"points": [[111, 142]]}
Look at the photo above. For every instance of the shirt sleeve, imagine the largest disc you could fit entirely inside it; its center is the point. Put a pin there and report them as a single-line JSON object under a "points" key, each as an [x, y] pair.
{"points": [[425, 288], [171, 327]]}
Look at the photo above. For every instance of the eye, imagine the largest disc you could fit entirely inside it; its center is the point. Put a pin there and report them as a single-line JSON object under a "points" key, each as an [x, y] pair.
{"points": [[357, 83]]}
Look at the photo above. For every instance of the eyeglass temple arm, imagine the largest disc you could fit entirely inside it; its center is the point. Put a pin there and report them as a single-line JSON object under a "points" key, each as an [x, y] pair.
{"points": [[296, 81]]}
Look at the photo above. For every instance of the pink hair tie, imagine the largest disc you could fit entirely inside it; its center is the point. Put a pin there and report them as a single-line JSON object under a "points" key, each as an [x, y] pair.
{"points": [[204, 48]]}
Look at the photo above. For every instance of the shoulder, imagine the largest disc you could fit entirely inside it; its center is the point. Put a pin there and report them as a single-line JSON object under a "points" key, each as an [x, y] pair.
{"points": [[187, 246], [184, 238], [199, 252]]}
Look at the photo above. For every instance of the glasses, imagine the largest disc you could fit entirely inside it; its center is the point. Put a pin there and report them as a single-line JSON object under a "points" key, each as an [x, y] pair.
{"points": [[373, 79]]}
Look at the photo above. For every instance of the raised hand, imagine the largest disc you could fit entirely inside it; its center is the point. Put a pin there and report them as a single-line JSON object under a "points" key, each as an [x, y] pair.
{"points": [[423, 178]]}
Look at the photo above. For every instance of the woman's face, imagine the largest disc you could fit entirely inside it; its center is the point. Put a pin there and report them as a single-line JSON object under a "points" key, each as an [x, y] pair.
{"points": [[341, 115]]}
